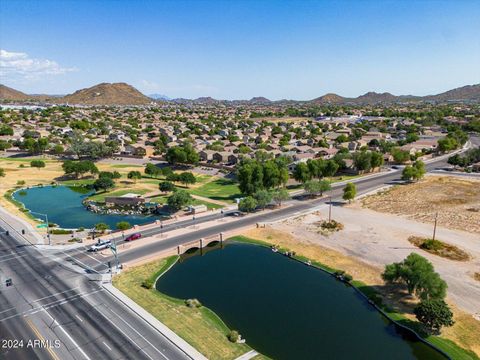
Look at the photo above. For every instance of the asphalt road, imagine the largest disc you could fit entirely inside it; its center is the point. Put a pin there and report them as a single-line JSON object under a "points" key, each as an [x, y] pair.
{"points": [[295, 207], [50, 301]]}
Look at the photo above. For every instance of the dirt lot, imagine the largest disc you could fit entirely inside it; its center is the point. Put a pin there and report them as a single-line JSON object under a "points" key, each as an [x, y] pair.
{"points": [[457, 202]]}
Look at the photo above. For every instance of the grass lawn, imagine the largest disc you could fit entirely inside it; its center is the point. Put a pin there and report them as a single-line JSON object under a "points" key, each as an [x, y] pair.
{"points": [[162, 199], [200, 327], [219, 189], [101, 196], [77, 182]]}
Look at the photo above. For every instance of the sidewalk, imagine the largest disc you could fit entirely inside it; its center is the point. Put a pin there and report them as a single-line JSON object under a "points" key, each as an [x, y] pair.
{"points": [[189, 350], [13, 223]]}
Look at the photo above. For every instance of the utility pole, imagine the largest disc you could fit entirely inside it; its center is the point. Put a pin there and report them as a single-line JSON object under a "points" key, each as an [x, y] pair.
{"points": [[435, 226]]}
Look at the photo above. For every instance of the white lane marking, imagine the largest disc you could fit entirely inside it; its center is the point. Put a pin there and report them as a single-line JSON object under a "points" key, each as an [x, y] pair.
{"points": [[51, 304], [131, 327], [108, 347], [12, 308], [13, 258], [90, 256], [62, 292], [124, 334], [79, 262], [71, 339], [79, 318], [13, 253]]}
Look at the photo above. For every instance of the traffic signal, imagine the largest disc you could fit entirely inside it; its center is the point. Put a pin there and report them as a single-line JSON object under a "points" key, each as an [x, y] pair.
{"points": [[8, 282], [7, 233], [23, 232]]}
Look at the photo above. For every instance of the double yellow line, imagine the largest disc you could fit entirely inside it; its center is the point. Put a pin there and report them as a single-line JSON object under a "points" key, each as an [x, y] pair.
{"points": [[35, 330]]}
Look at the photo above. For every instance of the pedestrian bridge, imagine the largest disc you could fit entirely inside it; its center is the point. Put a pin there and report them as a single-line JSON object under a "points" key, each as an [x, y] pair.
{"points": [[200, 243]]}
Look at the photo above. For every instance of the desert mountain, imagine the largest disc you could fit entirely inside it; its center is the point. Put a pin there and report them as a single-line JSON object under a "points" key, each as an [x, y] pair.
{"points": [[124, 94], [469, 92], [330, 99], [7, 93], [259, 100], [465, 93], [107, 94]]}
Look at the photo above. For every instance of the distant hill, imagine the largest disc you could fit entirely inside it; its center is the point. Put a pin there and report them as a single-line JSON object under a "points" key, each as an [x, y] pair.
{"points": [[159, 97], [7, 93], [107, 94], [465, 93], [469, 93], [124, 94], [330, 99], [259, 100]]}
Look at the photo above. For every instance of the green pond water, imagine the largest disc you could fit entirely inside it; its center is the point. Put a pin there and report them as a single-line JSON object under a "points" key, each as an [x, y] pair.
{"points": [[288, 310], [63, 205]]}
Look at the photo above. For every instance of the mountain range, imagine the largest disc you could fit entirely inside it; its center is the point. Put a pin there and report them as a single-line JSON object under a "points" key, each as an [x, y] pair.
{"points": [[125, 94]]}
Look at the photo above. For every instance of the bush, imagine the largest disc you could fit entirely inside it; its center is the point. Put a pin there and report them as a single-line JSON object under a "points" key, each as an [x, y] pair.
{"points": [[37, 163], [431, 244], [193, 303], [123, 225], [233, 336], [148, 284], [21, 182], [60, 232]]}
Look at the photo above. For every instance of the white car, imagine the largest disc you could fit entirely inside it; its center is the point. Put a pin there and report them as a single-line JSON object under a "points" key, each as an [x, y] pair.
{"points": [[100, 245]]}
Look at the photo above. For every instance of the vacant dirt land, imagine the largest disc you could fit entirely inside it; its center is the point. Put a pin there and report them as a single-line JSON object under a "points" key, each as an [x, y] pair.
{"points": [[457, 202]]}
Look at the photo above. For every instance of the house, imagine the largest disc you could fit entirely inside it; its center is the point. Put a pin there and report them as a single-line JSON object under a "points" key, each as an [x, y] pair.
{"points": [[206, 155], [221, 156], [233, 159]]}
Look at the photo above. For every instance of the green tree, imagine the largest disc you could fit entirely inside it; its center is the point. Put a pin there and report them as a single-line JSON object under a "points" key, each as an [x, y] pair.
{"points": [[166, 186], [250, 176], [247, 204], [134, 175], [263, 198], [101, 227], [418, 274], [123, 225], [376, 159], [58, 149], [179, 199], [103, 184], [302, 173], [400, 156], [434, 314], [280, 195], [349, 192], [152, 170], [187, 178], [317, 187], [78, 168], [2, 172], [37, 163]]}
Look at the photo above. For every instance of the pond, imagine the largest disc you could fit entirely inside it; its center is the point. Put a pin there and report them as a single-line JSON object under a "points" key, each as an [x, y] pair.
{"points": [[63, 205], [288, 310]]}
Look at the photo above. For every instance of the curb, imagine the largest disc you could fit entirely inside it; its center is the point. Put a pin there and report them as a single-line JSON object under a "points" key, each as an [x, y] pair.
{"points": [[181, 344]]}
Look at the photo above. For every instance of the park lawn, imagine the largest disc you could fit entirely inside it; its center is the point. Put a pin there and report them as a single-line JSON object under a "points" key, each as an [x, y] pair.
{"points": [[162, 200], [219, 189], [121, 166], [200, 327], [100, 197], [77, 182]]}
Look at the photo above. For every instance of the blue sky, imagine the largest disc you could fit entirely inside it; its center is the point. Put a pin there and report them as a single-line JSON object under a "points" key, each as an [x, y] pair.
{"points": [[239, 49]]}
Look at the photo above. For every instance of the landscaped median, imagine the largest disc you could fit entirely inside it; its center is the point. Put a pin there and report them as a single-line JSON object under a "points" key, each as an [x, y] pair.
{"points": [[199, 326]]}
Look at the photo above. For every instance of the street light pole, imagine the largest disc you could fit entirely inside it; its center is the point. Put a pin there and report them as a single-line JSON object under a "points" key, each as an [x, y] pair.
{"points": [[435, 226], [48, 227]]}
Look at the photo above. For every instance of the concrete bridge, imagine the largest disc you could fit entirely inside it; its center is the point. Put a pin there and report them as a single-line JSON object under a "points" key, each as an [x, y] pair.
{"points": [[200, 243]]}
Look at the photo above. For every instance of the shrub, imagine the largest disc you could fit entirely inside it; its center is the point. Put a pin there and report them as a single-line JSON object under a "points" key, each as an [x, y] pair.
{"points": [[148, 284], [21, 182], [233, 336], [123, 225], [376, 299], [431, 244]]}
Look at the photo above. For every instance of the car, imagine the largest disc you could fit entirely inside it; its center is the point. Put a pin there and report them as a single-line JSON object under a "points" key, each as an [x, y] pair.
{"points": [[235, 214], [100, 245], [133, 237]]}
